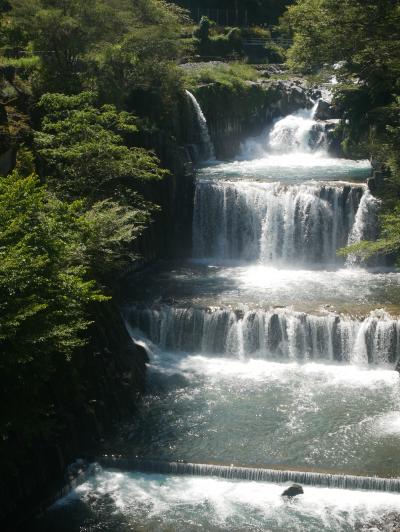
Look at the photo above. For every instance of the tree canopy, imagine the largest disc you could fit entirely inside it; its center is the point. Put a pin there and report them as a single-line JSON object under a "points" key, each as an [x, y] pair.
{"points": [[72, 209]]}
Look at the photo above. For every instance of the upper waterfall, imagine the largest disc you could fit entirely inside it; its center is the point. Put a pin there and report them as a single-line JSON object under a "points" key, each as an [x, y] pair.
{"points": [[298, 132], [208, 152]]}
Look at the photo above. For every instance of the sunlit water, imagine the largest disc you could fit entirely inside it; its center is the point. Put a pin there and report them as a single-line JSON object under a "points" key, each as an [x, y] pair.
{"points": [[205, 283]]}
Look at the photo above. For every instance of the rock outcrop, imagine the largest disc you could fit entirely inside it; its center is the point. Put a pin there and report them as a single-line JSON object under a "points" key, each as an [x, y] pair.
{"points": [[235, 115], [293, 491]]}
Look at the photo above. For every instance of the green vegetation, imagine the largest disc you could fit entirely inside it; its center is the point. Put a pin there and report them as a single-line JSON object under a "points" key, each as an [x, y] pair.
{"points": [[250, 11], [81, 84], [363, 39], [44, 293], [82, 151], [233, 76], [255, 43]]}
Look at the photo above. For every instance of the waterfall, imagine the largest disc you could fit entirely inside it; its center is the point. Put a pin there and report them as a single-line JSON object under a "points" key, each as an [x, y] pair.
{"points": [[278, 476], [298, 132], [365, 225], [277, 334], [208, 152], [276, 223]]}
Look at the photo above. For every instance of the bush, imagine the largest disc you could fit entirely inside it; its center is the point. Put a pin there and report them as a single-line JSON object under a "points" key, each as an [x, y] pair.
{"points": [[275, 53], [233, 76]]}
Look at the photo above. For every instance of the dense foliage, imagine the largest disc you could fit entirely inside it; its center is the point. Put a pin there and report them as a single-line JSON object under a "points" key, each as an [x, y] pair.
{"points": [[73, 79], [255, 44], [44, 291], [257, 11], [360, 42]]}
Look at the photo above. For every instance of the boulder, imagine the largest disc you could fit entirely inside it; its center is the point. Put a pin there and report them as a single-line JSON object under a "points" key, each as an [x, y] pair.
{"points": [[324, 111], [293, 491]]}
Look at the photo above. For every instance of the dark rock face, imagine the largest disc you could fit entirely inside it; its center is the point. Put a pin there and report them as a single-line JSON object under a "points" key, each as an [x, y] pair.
{"points": [[293, 491], [233, 116], [89, 395], [170, 234], [334, 137], [326, 111]]}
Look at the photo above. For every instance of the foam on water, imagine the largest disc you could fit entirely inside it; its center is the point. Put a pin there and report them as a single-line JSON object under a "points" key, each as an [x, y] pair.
{"points": [[295, 167], [160, 502], [204, 408]]}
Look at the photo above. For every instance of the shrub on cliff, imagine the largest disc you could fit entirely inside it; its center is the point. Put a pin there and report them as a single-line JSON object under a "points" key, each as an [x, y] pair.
{"points": [[233, 76]]}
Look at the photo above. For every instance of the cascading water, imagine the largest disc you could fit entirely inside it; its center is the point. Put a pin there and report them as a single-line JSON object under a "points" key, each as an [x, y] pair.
{"points": [[207, 147], [274, 335], [299, 133], [236, 378], [274, 223]]}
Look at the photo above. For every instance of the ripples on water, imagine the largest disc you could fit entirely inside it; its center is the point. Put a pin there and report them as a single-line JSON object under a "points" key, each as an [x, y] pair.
{"points": [[215, 409], [289, 168]]}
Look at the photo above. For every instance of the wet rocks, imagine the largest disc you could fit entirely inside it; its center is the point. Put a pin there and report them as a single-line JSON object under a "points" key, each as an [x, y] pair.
{"points": [[325, 111], [293, 491]]}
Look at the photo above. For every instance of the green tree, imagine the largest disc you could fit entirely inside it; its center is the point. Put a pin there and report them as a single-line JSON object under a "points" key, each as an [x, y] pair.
{"points": [[68, 34], [44, 296], [82, 150], [63, 31]]}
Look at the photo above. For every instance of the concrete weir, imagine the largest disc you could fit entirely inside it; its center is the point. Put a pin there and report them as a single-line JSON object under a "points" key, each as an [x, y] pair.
{"points": [[274, 475]]}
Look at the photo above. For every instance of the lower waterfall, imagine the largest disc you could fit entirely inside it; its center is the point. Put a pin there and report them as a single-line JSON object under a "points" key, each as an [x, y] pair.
{"points": [[279, 334]]}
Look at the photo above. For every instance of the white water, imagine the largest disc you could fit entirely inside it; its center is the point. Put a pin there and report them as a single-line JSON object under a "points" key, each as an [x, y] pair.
{"points": [[167, 502], [207, 145], [275, 223], [276, 334], [298, 134]]}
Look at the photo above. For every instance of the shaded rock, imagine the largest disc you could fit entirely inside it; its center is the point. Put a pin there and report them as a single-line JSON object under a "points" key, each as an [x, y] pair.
{"points": [[325, 111], [293, 491]]}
